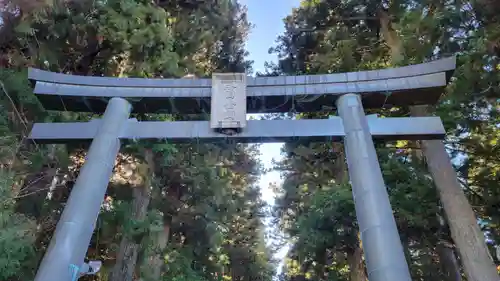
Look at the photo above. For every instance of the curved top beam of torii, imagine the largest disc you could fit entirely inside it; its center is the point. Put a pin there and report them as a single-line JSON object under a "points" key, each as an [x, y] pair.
{"points": [[408, 85]]}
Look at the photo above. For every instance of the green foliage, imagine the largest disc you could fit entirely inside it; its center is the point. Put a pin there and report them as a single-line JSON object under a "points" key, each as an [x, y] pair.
{"points": [[9, 141], [329, 37], [17, 232], [330, 218], [178, 266], [15, 88], [142, 31], [203, 197]]}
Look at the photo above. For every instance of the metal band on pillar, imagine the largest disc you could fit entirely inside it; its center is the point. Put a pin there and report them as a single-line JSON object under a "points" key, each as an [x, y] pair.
{"points": [[71, 240]]}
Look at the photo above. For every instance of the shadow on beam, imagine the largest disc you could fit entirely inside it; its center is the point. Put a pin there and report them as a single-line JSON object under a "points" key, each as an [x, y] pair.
{"points": [[409, 85], [257, 131]]}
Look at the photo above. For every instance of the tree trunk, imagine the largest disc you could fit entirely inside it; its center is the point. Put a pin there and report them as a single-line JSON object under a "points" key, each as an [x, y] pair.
{"points": [[153, 267], [355, 256], [340, 167], [488, 12], [405, 241], [356, 264], [465, 231], [129, 246], [155, 260], [37, 188], [33, 194], [321, 257], [391, 37], [449, 262], [445, 249]]}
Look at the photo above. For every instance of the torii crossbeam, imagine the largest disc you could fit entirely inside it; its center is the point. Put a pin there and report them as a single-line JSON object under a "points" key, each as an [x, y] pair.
{"points": [[228, 97], [419, 128]]}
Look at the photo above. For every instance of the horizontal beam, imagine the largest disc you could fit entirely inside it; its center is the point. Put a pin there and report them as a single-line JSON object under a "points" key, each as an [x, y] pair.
{"points": [[436, 66], [409, 85], [303, 98], [257, 131]]}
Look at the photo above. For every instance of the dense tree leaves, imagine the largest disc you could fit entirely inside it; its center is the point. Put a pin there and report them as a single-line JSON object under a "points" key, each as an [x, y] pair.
{"points": [[338, 36], [193, 212], [172, 212]]}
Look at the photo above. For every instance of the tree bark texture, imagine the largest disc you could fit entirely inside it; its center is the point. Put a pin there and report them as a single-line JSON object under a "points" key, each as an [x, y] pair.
{"points": [[448, 261], [129, 247], [154, 262], [356, 264]]}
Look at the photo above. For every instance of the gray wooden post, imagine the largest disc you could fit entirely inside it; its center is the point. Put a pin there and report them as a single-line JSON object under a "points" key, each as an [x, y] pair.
{"points": [[69, 245], [385, 259]]}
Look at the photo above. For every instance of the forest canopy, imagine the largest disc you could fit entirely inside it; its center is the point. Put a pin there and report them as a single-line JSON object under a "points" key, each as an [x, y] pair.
{"points": [[194, 212]]}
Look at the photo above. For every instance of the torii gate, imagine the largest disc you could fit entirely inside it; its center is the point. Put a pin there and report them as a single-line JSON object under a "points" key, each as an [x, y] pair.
{"points": [[229, 97]]}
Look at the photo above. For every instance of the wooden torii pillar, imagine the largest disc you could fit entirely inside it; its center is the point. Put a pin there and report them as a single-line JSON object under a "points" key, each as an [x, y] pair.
{"points": [[229, 97]]}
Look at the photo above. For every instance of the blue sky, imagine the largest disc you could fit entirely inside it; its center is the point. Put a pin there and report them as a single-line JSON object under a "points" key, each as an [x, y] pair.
{"points": [[267, 18]]}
